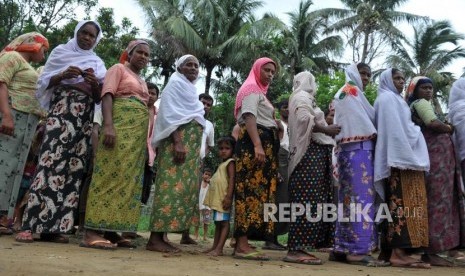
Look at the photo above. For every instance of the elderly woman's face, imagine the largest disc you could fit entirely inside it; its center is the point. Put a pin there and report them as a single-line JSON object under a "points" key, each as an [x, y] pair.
{"points": [[190, 69], [87, 36], [266, 73], [424, 91]]}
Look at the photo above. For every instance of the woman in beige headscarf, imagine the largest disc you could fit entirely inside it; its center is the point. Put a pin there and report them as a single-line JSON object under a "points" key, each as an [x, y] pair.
{"points": [[19, 115], [310, 153]]}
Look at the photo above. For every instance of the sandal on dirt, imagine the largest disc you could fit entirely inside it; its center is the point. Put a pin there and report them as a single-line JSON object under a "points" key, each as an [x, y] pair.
{"points": [[5, 230], [24, 236], [308, 259], [369, 261], [99, 244], [274, 246], [417, 264], [255, 256], [118, 240], [52, 237]]}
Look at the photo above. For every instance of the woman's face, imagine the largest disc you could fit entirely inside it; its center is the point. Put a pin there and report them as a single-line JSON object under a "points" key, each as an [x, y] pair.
{"points": [[87, 36], [399, 81], [424, 91], [190, 69], [365, 75], [40, 55], [267, 73], [140, 56]]}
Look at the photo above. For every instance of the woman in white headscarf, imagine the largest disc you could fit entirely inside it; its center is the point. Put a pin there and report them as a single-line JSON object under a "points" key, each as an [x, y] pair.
{"points": [[310, 154], [400, 165], [355, 240], [68, 88], [177, 136]]}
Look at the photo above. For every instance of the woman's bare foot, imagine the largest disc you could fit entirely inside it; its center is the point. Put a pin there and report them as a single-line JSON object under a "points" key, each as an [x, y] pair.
{"points": [[157, 243], [162, 247], [215, 253]]}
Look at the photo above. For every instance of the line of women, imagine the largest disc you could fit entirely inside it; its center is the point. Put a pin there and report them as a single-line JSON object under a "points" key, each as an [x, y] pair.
{"points": [[382, 153]]}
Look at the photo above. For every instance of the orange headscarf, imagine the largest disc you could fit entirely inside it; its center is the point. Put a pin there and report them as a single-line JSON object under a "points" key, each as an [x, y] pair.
{"points": [[28, 42], [131, 46]]}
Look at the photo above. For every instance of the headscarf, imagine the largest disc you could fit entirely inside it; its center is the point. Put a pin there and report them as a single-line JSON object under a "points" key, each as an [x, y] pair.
{"points": [[400, 143], [457, 115], [131, 46], [65, 55], [303, 115], [410, 96], [29, 42], [179, 104], [252, 84], [353, 112]]}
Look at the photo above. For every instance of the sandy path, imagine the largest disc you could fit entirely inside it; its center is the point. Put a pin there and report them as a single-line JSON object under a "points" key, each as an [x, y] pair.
{"points": [[40, 258]]}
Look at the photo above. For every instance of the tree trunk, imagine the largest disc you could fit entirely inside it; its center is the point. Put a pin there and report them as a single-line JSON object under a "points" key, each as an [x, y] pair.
{"points": [[365, 47], [208, 78]]}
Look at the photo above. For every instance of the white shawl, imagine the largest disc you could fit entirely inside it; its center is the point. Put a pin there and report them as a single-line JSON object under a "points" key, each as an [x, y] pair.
{"points": [[353, 112], [179, 104], [400, 143], [303, 115], [457, 115], [65, 55]]}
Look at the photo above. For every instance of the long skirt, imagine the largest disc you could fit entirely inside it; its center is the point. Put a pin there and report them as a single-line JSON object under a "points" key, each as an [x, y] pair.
{"points": [[356, 187], [442, 184], [176, 185], [255, 185], [114, 196], [406, 198], [13, 154], [310, 185], [63, 162]]}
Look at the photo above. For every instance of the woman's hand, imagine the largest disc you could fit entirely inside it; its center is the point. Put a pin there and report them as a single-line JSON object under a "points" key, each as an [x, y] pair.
{"points": [[259, 155], [332, 130], [8, 126], [227, 202], [71, 72], [180, 153], [109, 135]]}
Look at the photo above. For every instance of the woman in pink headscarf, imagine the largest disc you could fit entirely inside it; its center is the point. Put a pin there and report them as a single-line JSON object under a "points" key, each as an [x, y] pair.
{"points": [[256, 166]]}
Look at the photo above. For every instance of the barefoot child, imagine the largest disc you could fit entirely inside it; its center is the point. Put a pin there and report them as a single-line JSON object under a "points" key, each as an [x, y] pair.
{"points": [[220, 193]]}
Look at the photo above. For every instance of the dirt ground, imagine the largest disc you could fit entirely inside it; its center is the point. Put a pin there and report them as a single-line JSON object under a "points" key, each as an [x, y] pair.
{"points": [[41, 258]]}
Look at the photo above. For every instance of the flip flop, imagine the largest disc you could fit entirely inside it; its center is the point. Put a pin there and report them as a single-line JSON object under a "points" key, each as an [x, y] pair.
{"points": [[99, 244], [255, 256], [417, 264], [368, 261], [307, 260], [24, 236], [125, 243], [5, 230], [274, 246]]}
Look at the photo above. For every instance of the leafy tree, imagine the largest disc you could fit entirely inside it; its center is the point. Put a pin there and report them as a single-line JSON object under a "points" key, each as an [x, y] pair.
{"points": [[427, 54], [370, 23], [115, 37], [212, 30], [306, 49], [18, 16]]}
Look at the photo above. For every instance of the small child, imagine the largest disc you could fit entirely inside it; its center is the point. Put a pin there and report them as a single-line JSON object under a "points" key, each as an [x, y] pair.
{"points": [[220, 194], [205, 216]]}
